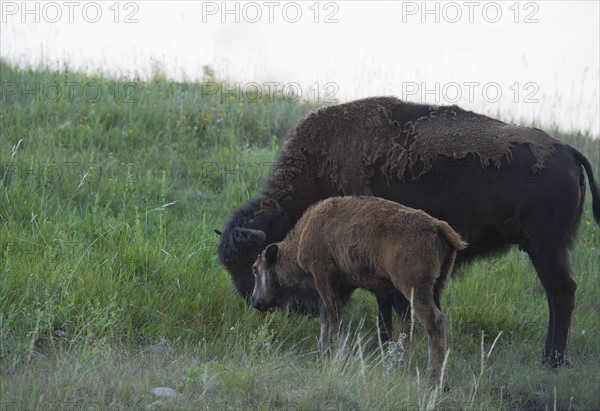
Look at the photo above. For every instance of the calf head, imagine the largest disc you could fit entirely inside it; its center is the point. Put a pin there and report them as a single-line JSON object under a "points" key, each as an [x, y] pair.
{"points": [[267, 291]]}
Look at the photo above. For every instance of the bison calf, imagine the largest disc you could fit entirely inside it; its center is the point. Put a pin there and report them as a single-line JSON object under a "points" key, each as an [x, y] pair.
{"points": [[345, 243]]}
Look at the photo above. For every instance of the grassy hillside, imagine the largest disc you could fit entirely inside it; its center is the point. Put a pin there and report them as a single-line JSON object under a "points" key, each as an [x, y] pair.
{"points": [[110, 285]]}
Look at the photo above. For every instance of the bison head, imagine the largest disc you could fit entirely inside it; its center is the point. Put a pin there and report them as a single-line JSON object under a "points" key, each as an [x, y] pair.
{"points": [[266, 284], [248, 231]]}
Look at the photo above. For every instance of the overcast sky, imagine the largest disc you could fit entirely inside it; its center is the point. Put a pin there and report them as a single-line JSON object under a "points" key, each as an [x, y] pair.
{"points": [[522, 61]]}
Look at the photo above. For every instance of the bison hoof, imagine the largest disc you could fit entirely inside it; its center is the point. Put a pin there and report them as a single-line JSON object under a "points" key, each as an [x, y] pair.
{"points": [[556, 360]]}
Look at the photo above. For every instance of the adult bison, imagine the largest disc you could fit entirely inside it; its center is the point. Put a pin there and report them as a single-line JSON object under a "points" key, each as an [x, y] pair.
{"points": [[496, 184]]}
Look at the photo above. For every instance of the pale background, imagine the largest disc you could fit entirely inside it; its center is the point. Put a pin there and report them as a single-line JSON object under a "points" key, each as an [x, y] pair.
{"points": [[374, 48]]}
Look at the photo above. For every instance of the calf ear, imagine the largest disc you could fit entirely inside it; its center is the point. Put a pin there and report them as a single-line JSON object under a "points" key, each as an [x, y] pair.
{"points": [[271, 255]]}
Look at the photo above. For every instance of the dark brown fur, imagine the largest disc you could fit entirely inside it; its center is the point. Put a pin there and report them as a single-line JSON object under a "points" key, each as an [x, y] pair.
{"points": [[371, 127], [344, 243]]}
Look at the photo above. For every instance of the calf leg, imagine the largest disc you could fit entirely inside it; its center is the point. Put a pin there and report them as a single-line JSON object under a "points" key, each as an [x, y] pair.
{"points": [[434, 322], [324, 338], [427, 311], [331, 314]]}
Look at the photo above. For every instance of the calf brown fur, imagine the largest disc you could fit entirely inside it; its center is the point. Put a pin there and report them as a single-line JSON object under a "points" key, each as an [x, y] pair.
{"points": [[345, 243]]}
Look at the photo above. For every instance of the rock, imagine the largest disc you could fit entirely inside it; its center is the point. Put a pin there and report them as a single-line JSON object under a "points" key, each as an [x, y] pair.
{"points": [[163, 392], [162, 348]]}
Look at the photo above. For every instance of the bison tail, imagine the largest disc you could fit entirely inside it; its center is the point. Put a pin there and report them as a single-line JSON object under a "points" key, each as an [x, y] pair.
{"points": [[451, 236], [593, 187]]}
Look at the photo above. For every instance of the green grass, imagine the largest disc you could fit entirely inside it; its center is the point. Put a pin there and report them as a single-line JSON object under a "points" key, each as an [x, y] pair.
{"points": [[110, 285]]}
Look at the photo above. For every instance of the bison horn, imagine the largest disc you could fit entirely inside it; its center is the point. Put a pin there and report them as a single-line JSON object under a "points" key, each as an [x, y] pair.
{"points": [[259, 235], [217, 232]]}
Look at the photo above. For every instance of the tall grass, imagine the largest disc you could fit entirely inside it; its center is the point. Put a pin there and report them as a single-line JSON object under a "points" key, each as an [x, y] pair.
{"points": [[110, 286]]}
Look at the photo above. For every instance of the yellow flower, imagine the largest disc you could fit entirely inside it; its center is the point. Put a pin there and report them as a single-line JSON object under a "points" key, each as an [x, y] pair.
{"points": [[588, 222]]}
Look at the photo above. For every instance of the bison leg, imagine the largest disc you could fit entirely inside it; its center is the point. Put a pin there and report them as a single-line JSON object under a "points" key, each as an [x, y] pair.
{"points": [[553, 271], [385, 302]]}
